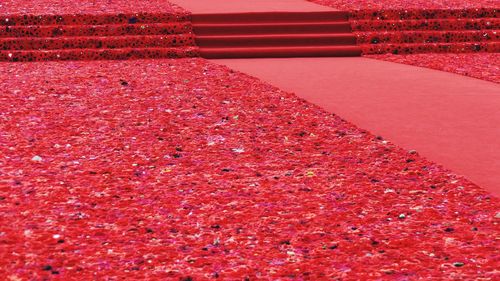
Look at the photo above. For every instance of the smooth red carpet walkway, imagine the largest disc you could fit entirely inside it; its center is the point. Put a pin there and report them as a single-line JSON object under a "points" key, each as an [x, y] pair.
{"points": [[293, 28], [244, 6], [448, 118]]}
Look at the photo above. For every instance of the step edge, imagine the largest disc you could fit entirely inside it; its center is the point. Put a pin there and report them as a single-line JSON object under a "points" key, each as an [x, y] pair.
{"points": [[94, 37], [281, 48], [280, 35]]}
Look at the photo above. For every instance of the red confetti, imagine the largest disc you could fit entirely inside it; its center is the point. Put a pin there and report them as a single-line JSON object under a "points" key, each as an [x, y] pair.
{"points": [[114, 29], [182, 169], [410, 27], [407, 4], [94, 7]]}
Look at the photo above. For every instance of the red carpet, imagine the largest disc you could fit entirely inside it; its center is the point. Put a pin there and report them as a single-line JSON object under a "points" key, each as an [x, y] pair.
{"points": [[181, 169], [410, 6], [409, 27], [56, 30], [450, 119], [184, 170], [247, 35], [484, 66], [245, 6]]}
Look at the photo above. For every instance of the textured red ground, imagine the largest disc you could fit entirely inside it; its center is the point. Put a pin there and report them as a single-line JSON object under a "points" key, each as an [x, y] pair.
{"points": [[64, 7], [167, 169], [407, 4], [483, 66]]}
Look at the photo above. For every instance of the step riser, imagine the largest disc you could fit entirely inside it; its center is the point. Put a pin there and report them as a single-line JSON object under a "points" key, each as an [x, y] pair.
{"points": [[275, 41], [427, 37], [270, 17], [96, 30], [94, 54], [255, 53], [267, 35], [97, 42], [104, 19], [431, 25], [272, 29], [467, 13], [491, 47]]}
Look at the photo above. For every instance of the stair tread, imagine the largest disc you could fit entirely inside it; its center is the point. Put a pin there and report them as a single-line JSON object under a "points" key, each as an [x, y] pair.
{"points": [[270, 17], [272, 28], [270, 52], [430, 31], [97, 42], [97, 54], [280, 47], [102, 49], [437, 43], [94, 25], [95, 37], [280, 35], [237, 24], [428, 20], [296, 40]]}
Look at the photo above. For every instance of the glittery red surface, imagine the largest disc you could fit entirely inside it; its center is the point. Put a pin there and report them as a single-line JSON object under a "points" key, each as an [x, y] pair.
{"points": [[64, 7], [403, 48], [168, 169], [57, 31], [407, 4], [482, 65], [423, 13], [98, 54], [94, 30], [414, 37], [410, 27], [459, 24]]}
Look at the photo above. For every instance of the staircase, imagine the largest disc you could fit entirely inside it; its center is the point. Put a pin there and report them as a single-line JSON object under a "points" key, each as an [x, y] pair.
{"points": [[427, 31], [274, 34], [92, 37]]}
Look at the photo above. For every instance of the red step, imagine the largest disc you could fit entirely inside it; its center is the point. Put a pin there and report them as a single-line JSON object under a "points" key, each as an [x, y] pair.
{"points": [[274, 34], [459, 47], [98, 54], [265, 17], [113, 42], [428, 36], [276, 40], [280, 52], [272, 28], [94, 19], [426, 24], [96, 30], [416, 13]]}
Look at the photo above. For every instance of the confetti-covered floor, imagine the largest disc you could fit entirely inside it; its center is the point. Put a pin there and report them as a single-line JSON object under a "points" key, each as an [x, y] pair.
{"points": [[485, 66], [63, 7], [181, 169], [454, 35], [407, 4], [94, 30]]}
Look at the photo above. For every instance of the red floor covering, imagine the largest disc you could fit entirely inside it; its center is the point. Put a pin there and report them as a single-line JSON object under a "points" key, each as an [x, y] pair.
{"points": [[63, 7], [94, 30], [485, 66], [245, 6], [448, 118], [185, 170], [407, 4]]}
